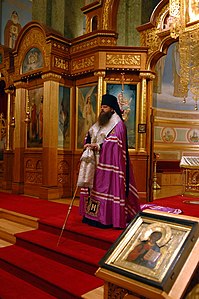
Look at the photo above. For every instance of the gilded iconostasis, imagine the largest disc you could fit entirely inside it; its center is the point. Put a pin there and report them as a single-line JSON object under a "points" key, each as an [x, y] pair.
{"points": [[170, 106], [176, 113]]}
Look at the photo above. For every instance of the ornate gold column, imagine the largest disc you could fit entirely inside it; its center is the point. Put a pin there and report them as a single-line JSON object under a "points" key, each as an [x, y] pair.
{"points": [[145, 142], [8, 141], [101, 88], [142, 120], [8, 153], [19, 140], [49, 189], [151, 175]]}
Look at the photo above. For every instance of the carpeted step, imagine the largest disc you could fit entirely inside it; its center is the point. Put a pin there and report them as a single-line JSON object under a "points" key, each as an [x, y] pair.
{"points": [[51, 276], [14, 287], [52, 215], [81, 232], [69, 252]]}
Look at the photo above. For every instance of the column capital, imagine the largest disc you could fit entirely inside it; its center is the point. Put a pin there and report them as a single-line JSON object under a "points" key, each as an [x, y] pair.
{"points": [[9, 91], [100, 74], [147, 75], [51, 76]]}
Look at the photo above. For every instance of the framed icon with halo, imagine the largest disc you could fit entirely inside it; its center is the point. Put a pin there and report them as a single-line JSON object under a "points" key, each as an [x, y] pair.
{"points": [[152, 249]]}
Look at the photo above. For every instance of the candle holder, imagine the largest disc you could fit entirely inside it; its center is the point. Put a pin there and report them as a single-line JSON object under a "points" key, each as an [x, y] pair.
{"points": [[155, 184], [27, 107]]}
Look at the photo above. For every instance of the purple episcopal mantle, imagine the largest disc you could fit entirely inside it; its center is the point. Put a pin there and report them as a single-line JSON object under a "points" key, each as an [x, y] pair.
{"points": [[108, 203]]}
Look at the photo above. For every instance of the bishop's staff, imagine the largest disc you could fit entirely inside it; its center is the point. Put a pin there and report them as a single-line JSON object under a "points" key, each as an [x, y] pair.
{"points": [[85, 178]]}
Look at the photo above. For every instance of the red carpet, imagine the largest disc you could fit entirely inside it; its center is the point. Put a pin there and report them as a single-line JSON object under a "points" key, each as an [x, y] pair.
{"points": [[35, 267], [180, 202], [66, 271]]}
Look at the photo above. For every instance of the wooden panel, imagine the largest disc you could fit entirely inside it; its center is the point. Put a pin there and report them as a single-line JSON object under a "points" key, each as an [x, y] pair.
{"points": [[169, 179], [139, 164]]}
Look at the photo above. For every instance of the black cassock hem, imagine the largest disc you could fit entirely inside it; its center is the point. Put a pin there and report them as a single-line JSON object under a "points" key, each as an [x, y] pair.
{"points": [[95, 223]]}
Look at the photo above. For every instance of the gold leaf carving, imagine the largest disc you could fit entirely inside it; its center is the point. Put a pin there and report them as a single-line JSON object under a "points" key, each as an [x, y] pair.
{"points": [[61, 63], [60, 46], [83, 63], [97, 41], [106, 14], [51, 75], [34, 38], [150, 38], [123, 59]]}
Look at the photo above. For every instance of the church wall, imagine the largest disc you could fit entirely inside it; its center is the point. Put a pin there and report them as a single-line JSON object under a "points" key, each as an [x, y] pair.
{"points": [[174, 114], [147, 9], [43, 14], [176, 122], [74, 19], [24, 11], [58, 17], [128, 18]]}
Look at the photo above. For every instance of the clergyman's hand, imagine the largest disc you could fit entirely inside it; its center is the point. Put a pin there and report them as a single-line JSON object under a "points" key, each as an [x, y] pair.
{"points": [[93, 146]]}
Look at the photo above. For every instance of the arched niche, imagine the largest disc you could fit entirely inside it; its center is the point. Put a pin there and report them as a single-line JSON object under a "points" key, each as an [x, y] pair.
{"points": [[94, 23]]}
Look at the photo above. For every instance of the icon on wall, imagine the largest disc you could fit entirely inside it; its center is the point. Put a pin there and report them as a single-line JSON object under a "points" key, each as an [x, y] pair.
{"points": [[12, 30], [168, 135], [193, 136]]}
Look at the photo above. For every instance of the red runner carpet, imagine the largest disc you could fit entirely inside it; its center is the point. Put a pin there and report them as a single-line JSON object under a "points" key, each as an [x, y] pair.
{"points": [[180, 202], [49, 271], [35, 267]]}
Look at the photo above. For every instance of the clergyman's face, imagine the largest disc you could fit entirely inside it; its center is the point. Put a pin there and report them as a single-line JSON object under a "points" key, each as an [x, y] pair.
{"points": [[105, 115], [106, 108]]}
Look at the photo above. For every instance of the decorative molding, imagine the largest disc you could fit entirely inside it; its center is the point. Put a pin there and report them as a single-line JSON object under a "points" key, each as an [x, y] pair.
{"points": [[116, 79], [94, 42], [153, 37], [60, 46], [105, 14], [33, 171], [61, 63], [115, 291], [100, 74], [63, 173], [29, 164], [147, 76], [51, 76], [33, 38], [83, 63], [133, 60], [33, 177], [92, 6]]}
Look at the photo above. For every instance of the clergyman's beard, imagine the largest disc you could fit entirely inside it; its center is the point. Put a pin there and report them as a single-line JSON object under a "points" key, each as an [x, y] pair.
{"points": [[104, 117]]}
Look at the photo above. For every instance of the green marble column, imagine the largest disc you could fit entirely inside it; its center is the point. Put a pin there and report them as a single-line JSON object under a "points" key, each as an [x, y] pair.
{"points": [[64, 16]]}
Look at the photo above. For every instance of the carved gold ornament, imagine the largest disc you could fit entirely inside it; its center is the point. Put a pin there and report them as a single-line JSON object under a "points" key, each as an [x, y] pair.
{"points": [[84, 63], [123, 59], [61, 63]]}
